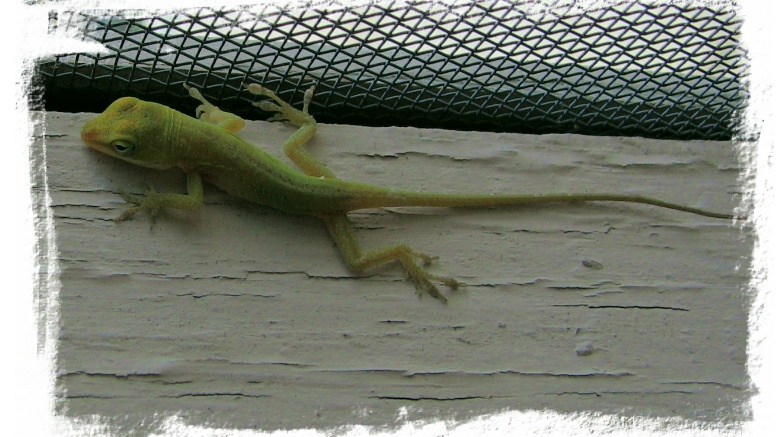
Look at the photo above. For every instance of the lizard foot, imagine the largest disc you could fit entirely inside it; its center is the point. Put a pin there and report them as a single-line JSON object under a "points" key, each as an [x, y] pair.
{"points": [[209, 113], [285, 111], [150, 201], [409, 259], [423, 280]]}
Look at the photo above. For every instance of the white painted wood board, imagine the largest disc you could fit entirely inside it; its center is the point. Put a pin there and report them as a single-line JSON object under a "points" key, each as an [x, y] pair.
{"points": [[244, 317]]}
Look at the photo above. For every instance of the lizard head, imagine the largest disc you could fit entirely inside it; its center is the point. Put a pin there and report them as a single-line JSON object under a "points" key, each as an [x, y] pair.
{"points": [[132, 130]]}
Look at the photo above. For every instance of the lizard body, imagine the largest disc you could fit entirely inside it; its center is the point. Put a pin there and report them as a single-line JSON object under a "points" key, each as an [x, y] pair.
{"points": [[206, 148]]}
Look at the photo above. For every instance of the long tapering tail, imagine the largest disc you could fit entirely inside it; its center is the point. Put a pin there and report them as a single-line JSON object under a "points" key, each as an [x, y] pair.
{"points": [[404, 198]]}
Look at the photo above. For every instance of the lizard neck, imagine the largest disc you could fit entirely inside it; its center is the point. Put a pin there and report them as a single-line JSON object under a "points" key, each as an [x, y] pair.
{"points": [[177, 138]]}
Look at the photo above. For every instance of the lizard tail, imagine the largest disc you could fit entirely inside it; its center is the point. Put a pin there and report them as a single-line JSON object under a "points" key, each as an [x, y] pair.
{"points": [[404, 198]]}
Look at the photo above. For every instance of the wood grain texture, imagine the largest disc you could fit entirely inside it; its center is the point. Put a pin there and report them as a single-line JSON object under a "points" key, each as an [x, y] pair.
{"points": [[244, 317]]}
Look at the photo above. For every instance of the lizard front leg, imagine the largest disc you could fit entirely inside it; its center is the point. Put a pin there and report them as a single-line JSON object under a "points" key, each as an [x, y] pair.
{"points": [[293, 147], [153, 202], [209, 113]]}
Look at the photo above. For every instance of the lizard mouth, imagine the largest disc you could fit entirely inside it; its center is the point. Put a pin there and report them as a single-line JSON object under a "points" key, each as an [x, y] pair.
{"points": [[90, 133], [90, 137]]}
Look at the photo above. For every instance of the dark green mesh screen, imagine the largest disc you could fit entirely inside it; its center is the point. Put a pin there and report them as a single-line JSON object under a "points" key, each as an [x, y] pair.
{"points": [[659, 70]]}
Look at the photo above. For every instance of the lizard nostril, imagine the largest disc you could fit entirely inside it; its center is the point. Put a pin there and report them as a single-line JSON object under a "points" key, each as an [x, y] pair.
{"points": [[88, 134]]}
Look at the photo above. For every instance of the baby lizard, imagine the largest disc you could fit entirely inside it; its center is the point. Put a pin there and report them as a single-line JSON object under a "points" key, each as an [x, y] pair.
{"points": [[206, 148]]}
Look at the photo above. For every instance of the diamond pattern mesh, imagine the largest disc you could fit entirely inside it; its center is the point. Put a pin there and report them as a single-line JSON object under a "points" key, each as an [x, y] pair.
{"points": [[655, 70]]}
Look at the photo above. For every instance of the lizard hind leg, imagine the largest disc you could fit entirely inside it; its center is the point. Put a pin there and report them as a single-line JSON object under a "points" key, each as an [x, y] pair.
{"points": [[341, 230]]}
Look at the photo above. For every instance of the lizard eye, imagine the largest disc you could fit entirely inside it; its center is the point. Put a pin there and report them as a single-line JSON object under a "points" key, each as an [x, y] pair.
{"points": [[123, 148]]}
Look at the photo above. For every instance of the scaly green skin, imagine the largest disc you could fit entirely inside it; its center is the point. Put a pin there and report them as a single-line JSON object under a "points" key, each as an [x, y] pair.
{"points": [[156, 136]]}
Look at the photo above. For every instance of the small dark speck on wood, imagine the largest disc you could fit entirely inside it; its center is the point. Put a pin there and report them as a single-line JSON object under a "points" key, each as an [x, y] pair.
{"points": [[592, 264]]}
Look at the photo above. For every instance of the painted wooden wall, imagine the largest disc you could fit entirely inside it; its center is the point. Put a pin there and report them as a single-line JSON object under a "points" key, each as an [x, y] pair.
{"points": [[244, 317]]}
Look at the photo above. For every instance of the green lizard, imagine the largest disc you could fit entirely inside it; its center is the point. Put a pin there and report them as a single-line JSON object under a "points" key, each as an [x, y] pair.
{"points": [[206, 148]]}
